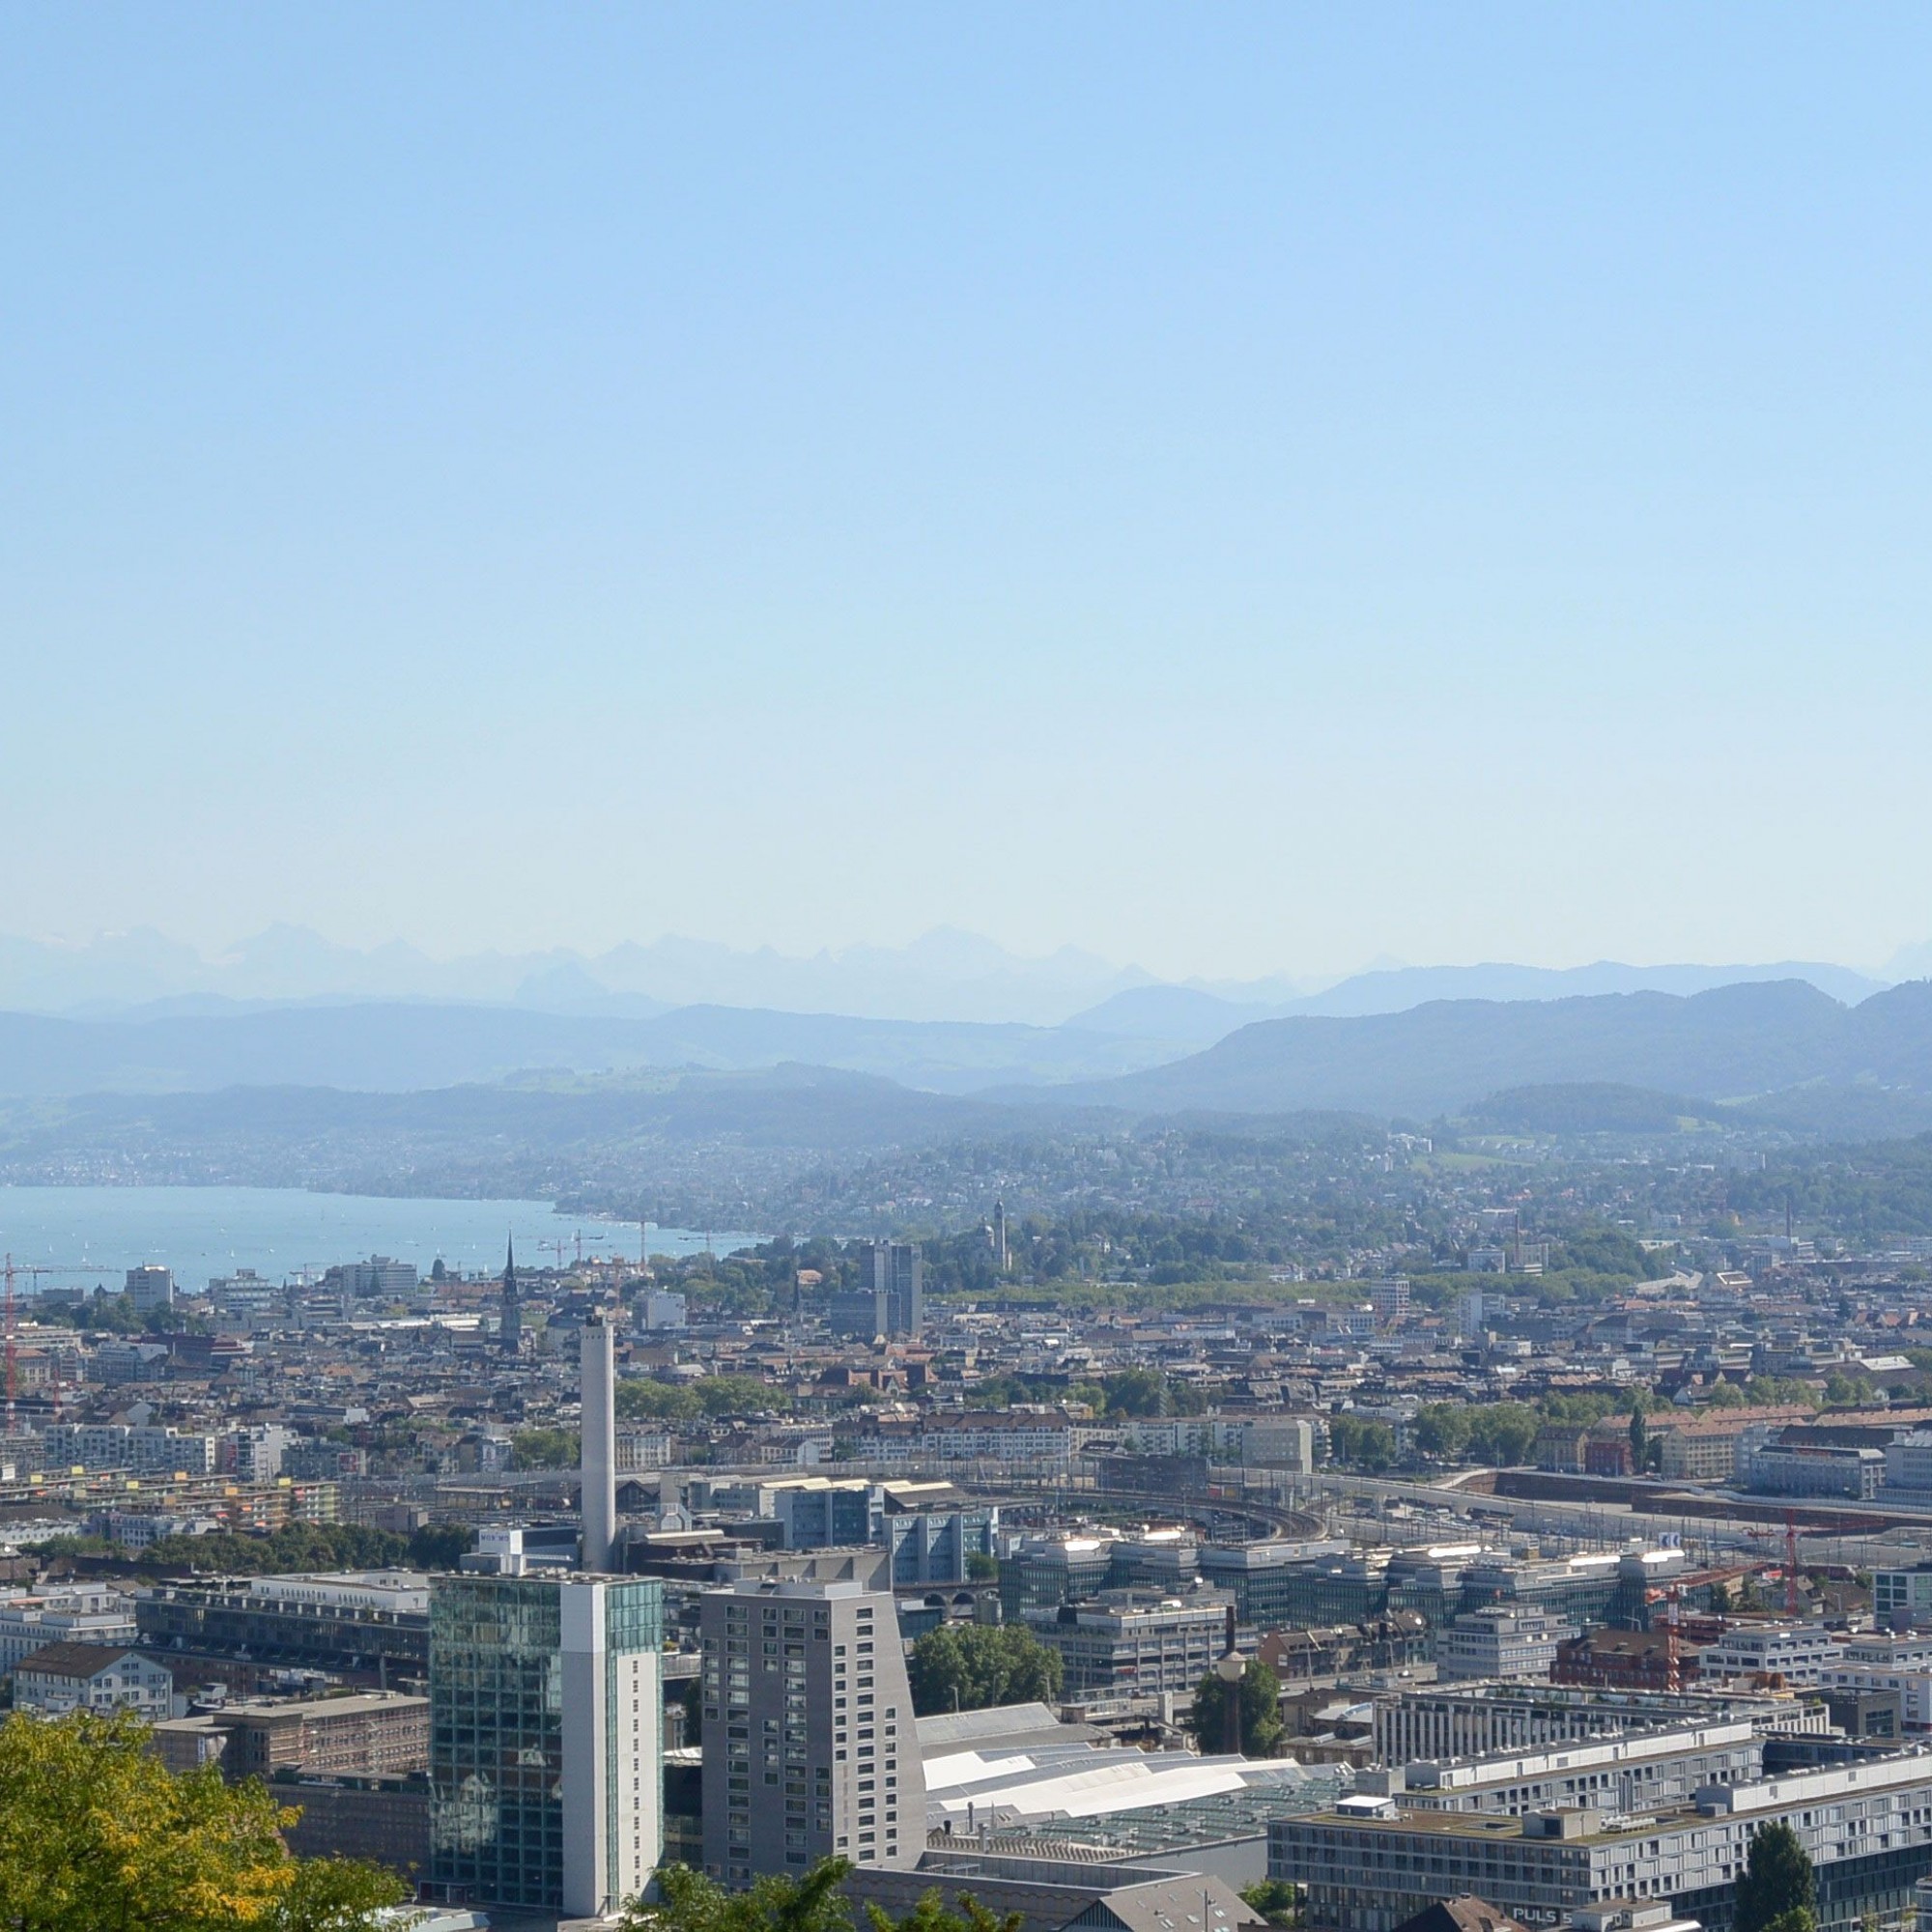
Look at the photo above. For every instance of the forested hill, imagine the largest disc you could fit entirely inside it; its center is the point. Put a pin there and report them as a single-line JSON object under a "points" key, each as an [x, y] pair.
{"points": [[1729, 1043]]}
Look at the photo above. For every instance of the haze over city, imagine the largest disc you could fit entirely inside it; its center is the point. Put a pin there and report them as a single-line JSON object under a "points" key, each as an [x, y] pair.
{"points": [[965, 969]]}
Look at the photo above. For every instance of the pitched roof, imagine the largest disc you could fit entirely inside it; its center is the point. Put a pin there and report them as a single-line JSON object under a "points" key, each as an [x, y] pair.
{"points": [[1466, 1914], [73, 1660]]}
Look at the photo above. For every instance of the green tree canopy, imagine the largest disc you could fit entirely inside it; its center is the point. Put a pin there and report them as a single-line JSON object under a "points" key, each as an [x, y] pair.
{"points": [[978, 1666], [1261, 1711], [543, 1448], [688, 1901], [1363, 1442], [1274, 1898], [814, 1901], [1777, 1879], [98, 1835]]}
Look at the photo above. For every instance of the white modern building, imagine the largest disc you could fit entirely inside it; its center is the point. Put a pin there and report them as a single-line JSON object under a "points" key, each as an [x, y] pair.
{"points": [[80, 1613], [1502, 1640], [1800, 1654]]}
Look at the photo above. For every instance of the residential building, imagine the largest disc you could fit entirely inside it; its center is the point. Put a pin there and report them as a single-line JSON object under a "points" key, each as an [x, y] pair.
{"points": [[1814, 1469], [545, 1742], [809, 1748], [1888, 1666], [82, 1613], [379, 1277], [63, 1677], [1702, 1447]]}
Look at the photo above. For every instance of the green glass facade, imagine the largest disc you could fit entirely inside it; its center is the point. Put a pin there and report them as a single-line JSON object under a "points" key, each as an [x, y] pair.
{"points": [[497, 1730]]}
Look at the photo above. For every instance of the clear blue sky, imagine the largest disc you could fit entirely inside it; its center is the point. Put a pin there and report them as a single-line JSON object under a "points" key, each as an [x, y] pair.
{"points": [[1242, 487]]}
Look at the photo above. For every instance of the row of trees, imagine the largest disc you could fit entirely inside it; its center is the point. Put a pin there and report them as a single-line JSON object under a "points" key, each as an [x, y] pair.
{"points": [[978, 1666], [297, 1546]]}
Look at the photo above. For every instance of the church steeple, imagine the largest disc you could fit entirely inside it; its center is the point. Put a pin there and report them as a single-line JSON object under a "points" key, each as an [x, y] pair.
{"points": [[510, 1332]]}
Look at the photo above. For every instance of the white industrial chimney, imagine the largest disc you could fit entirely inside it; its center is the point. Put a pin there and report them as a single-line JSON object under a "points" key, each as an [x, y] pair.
{"points": [[599, 1470]]}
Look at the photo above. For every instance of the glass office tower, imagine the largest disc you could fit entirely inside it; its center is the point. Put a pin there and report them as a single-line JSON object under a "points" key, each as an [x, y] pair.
{"points": [[546, 1711]]}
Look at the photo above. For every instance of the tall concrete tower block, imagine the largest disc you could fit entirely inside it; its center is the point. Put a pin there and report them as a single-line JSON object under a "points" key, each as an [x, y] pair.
{"points": [[599, 1473]]}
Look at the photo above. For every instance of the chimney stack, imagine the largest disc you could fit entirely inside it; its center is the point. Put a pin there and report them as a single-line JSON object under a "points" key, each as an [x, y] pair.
{"points": [[598, 1475]]}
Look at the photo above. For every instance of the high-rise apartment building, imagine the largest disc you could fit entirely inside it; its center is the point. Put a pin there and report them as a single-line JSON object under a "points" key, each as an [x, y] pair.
{"points": [[810, 1747], [545, 1759]]}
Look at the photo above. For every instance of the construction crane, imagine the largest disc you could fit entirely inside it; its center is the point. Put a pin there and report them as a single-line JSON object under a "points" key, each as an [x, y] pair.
{"points": [[10, 1318]]}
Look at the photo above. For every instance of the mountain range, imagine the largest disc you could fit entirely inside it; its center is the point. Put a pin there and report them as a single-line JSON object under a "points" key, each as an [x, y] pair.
{"points": [[945, 975], [1783, 1050]]}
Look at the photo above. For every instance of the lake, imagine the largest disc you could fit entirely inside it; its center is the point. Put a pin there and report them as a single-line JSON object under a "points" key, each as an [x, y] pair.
{"points": [[84, 1236]]}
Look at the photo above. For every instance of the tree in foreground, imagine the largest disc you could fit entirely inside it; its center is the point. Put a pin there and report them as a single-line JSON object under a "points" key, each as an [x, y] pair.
{"points": [[688, 1901], [978, 1666], [98, 1835], [1778, 1884], [1261, 1711]]}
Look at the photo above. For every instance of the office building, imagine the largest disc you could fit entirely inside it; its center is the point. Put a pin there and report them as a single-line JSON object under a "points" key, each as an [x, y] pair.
{"points": [[1504, 1640], [371, 1626], [899, 1270], [1124, 1642], [809, 1748], [1482, 1719], [380, 1278], [149, 1287], [1902, 1599], [889, 1298], [1795, 1653], [1810, 1469], [664, 1309], [1638, 1771], [381, 1735], [245, 1296], [1369, 1865], [546, 1750]]}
